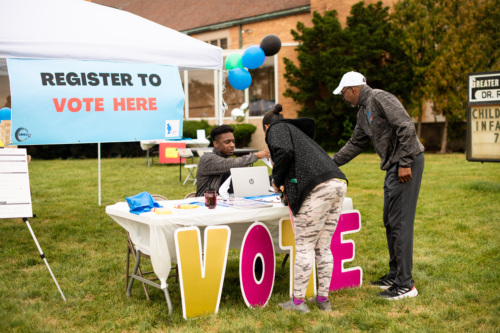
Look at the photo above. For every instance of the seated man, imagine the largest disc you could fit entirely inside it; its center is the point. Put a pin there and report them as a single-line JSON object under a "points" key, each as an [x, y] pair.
{"points": [[215, 167]]}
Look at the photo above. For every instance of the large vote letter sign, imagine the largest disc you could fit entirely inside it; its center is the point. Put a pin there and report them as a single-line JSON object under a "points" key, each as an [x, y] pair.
{"points": [[343, 251], [72, 101], [201, 280], [257, 245]]}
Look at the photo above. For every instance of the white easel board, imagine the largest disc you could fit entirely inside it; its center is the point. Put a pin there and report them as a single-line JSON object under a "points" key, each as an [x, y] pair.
{"points": [[15, 195]]}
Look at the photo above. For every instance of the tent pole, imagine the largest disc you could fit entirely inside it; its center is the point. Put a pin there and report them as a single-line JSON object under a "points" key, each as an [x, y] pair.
{"points": [[221, 108], [99, 169]]}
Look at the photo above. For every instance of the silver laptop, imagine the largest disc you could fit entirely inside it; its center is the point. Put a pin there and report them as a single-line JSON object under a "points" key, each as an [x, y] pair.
{"points": [[250, 182]]}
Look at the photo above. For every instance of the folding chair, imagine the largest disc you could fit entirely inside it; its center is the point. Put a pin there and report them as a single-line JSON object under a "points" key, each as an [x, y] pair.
{"points": [[137, 273], [187, 153], [201, 152]]}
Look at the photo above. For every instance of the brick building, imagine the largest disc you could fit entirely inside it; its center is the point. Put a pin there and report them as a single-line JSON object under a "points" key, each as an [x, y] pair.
{"points": [[234, 26]]}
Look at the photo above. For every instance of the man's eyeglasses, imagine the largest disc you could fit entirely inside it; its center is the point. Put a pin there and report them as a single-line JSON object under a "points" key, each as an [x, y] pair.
{"points": [[344, 91]]}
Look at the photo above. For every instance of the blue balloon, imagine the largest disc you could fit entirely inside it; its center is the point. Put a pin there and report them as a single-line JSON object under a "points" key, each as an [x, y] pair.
{"points": [[239, 78], [5, 114], [253, 57]]}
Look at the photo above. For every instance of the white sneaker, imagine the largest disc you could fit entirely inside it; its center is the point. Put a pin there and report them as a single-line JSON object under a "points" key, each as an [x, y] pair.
{"points": [[396, 292]]}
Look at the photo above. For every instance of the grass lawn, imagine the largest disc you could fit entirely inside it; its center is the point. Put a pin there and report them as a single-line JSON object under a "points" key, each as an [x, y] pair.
{"points": [[456, 256]]}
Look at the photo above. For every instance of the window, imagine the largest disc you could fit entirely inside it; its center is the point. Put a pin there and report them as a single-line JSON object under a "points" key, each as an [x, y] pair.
{"points": [[233, 98], [262, 90], [222, 43], [201, 93]]}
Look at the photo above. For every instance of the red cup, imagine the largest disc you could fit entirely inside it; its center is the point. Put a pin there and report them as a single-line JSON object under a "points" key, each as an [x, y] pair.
{"points": [[210, 199]]}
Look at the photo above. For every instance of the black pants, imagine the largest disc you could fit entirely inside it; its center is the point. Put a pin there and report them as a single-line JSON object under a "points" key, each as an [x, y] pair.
{"points": [[400, 204]]}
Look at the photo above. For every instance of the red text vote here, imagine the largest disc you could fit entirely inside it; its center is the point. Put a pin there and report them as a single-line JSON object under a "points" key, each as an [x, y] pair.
{"points": [[88, 104]]}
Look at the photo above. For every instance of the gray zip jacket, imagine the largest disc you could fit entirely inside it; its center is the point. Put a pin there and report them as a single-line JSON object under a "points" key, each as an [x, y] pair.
{"points": [[214, 168], [382, 119]]}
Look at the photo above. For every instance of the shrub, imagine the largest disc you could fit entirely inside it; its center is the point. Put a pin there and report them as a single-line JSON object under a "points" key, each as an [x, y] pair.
{"points": [[190, 127], [242, 134]]}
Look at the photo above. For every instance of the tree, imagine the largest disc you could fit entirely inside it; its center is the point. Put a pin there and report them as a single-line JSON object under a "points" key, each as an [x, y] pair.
{"points": [[420, 32], [369, 44], [321, 60], [471, 44], [455, 38]]}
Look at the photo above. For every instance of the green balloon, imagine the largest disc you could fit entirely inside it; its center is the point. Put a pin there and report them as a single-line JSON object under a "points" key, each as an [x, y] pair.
{"points": [[233, 61]]}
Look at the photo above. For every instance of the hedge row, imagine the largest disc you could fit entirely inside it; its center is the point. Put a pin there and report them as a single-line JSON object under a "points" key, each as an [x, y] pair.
{"points": [[243, 134]]}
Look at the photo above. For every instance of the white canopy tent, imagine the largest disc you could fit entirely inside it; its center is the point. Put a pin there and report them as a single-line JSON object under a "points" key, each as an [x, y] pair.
{"points": [[81, 30]]}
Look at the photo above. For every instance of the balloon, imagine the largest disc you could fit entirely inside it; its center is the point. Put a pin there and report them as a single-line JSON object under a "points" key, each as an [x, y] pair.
{"points": [[239, 78], [244, 107], [233, 61], [238, 115], [271, 44], [253, 57], [5, 114]]}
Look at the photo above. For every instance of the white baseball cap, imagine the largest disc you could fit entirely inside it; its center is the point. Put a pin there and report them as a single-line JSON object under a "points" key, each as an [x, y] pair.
{"points": [[350, 79]]}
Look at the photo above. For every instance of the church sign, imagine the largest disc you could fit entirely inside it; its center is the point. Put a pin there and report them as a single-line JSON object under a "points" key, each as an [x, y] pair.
{"points": [[483, 117]]}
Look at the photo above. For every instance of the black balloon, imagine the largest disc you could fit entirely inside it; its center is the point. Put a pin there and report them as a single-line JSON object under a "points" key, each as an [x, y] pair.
{"points": [[271, 44]]}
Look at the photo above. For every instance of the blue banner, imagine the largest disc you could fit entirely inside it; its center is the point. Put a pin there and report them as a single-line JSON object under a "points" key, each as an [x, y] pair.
{"points": [[71, 101]]}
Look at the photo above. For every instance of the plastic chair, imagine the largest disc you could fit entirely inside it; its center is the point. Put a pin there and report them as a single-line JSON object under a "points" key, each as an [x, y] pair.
{"points": [[190, 195], [151, 151], [137, 273], [187, 153]]}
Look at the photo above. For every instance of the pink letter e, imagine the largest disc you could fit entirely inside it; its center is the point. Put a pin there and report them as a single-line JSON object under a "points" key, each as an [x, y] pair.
{"points": [[343, 251]]}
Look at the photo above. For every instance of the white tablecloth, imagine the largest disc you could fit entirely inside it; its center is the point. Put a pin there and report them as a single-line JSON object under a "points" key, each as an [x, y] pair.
{"points": [[154, 234]]}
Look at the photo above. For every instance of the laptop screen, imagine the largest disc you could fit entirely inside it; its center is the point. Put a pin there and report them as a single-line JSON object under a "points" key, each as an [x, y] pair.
{"points": [[251, 181]]}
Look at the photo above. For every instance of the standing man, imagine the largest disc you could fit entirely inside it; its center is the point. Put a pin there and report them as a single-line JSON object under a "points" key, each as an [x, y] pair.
{"points": [[383, 120], [215, 167]]}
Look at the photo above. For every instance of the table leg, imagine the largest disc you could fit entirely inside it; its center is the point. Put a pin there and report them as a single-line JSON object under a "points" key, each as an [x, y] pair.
{"points": [[147, 157]]}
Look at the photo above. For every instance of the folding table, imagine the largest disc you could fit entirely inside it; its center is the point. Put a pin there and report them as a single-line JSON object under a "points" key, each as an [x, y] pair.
{"points": [[154, 233]]}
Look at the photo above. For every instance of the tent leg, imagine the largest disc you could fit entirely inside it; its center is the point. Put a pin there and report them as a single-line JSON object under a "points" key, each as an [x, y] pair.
{"points": [[220, 98], [99, 169]]}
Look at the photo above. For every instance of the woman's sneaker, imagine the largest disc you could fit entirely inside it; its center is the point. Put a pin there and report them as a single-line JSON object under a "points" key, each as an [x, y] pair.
{"points": [[323, 306], [290, 305], [397, 292], [384, 282]]}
